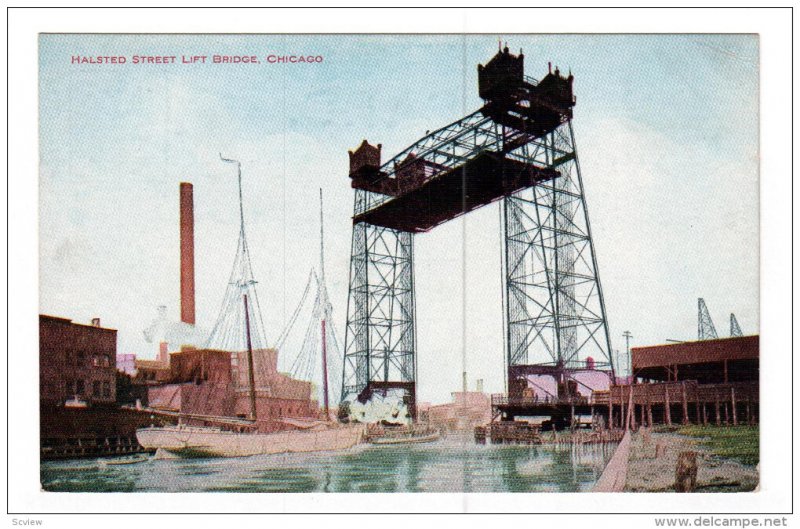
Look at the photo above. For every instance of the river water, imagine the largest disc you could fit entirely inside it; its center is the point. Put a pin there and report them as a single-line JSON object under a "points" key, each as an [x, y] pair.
{"points": [[453, 464]]}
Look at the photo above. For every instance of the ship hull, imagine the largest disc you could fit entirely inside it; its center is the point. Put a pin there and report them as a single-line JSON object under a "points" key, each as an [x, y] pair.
{"points": [[209, 442]]}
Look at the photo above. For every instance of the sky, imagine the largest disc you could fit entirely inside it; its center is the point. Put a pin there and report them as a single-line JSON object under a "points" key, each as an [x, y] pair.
{"points": [[666, 129]]}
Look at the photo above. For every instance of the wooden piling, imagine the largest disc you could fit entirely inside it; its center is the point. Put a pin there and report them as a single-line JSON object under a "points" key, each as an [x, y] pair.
{"points": [[667, 414], [716, 409], [733, 406], [686, 472], [685, 403]]}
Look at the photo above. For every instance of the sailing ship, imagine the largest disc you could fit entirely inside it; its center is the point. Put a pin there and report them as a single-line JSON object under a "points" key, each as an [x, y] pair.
{"points": [[216, 436]]}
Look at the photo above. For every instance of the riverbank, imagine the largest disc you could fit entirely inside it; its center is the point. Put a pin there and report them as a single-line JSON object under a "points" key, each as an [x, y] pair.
{"points": [[719, 460], [731, 442]]}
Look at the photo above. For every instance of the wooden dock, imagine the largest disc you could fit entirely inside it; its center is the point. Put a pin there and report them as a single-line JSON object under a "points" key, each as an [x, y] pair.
{"points": [[682, 402], [510, 432], [77, 446]]}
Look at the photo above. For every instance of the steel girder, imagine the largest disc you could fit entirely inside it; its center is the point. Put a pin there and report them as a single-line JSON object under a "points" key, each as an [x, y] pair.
{"points": [[380, 334], [555, 312]]}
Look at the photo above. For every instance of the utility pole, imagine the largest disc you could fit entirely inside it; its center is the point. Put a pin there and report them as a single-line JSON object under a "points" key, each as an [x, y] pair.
{"points": [[325, 310], [627, 335]]}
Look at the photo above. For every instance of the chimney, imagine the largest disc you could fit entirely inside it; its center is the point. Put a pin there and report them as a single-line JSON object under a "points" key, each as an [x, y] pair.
{"points": [[163, 353], [187, 253], [95, 322], [479, 385]]}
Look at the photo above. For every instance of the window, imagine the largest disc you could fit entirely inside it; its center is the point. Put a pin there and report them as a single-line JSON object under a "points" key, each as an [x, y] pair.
{"points": [[96, 388], [79, 387], [101, 361], [81, 358], [107, 390]]}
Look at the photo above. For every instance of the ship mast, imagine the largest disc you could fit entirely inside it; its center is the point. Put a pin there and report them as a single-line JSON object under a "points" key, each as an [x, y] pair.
{"points": [[241, 295], [251, 374], [320, 332]]}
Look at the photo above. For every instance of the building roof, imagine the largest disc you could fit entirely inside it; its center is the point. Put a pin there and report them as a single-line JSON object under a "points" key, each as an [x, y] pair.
{"points": [[699, 352], [151, 364], [65, 321], [190, 351]]}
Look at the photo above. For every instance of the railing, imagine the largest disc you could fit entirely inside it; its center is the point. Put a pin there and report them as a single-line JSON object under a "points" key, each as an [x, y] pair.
{"points": [[505, 400], [654, 393], [689, 390], [657, 392]]}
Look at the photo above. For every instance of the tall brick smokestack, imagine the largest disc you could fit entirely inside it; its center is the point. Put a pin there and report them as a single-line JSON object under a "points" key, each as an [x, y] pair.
{"points": [[187, 253]]}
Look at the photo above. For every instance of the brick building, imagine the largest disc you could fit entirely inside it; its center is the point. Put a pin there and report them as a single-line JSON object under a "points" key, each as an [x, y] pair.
{"points": [[151, 372], [216, 383], [467, 410], [76, 360]]}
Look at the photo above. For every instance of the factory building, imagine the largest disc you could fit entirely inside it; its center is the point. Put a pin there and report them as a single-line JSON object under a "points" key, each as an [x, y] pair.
{"points": [[466, 411], [209, 383], [700, 382], [76, 362], [79, 415], [721, 361]]}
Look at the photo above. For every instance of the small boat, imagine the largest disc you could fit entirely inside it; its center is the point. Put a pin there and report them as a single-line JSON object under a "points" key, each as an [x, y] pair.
{"points": [[403, 435], [392, 440], [130, 460]]}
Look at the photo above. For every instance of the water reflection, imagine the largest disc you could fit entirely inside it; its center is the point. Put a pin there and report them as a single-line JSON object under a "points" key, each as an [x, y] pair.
{"points": [[450, 465]]}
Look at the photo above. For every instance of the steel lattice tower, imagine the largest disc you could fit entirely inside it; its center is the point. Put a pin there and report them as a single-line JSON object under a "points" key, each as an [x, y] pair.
{"points": [[518, 148], [380, 343], [705, 326], [735, 329], [555, 309]]}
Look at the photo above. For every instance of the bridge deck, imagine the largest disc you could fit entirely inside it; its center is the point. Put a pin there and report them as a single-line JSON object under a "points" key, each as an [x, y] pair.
{"points": [[479, 181]]}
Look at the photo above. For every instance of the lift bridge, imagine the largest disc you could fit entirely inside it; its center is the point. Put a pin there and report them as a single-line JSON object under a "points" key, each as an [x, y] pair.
{"points": [[519, 148]]}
